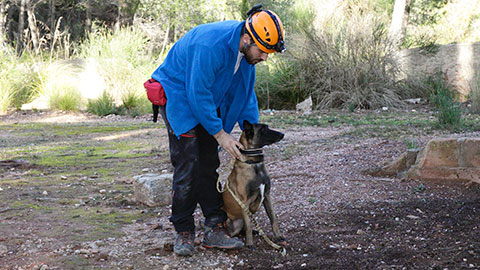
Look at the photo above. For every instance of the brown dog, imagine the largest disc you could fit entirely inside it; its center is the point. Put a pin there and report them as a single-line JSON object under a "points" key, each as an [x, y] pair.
{"points": [[250, 182]]}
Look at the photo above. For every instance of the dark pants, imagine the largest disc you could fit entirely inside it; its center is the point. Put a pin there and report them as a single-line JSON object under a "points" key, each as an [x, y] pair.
{"points": [[195, 159]]}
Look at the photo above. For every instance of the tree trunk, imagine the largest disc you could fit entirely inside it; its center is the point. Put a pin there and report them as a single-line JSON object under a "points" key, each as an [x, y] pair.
{"points": [[88, 22], [21, 26], [3, 16], [126, 12], [32, 25], [398, 27], [51, 15]]}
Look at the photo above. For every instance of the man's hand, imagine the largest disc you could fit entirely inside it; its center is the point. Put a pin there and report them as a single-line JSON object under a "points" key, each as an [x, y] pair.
{"points": [[227, 142]]}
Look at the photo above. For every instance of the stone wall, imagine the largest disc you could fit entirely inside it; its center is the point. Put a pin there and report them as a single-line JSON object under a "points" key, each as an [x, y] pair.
{"points": [[459, 64]]}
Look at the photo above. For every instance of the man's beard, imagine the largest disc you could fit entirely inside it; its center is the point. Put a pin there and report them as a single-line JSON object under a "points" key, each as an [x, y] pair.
{"points": [[247, 48]]}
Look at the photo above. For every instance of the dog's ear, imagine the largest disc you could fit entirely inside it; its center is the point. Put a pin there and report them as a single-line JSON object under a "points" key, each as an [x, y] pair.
{"points": [[247, 125]]}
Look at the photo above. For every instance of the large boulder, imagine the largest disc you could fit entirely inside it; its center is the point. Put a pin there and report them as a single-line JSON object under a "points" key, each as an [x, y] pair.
{"points": [[153, 189], [448, 159], [441, 159]]}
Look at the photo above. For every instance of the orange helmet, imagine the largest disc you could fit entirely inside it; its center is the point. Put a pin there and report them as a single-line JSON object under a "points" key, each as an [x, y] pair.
{"points": [[266, 29]]}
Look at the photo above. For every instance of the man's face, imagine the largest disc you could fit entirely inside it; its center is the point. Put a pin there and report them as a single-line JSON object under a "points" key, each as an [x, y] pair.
{"points": [[254, 55]]}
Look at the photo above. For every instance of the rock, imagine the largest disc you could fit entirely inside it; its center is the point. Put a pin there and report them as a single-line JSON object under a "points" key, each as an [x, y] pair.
{"points": [[398, 167], [413, 100], [441, 159], [153, 189], [3, 249], [305, 106], [448, 159]]}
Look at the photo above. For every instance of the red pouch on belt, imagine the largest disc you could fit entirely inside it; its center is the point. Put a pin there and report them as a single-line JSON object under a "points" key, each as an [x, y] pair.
{"points": [[155, 92]]}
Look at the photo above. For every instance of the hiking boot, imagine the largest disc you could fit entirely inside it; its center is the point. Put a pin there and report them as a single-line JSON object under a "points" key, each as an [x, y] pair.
{"points": [[184, 244], [216, 237]]}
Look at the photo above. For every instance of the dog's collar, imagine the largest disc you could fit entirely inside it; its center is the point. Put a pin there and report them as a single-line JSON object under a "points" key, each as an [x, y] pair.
{"points": [[255, 155], [252, 152]]}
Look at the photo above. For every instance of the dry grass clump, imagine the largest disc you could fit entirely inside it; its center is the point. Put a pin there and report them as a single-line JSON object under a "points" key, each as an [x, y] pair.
{"points": [[349, 63]]}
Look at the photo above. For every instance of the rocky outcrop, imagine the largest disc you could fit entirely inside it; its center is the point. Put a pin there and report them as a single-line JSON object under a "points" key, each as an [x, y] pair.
{"points": [[441, 159], [153, 189], [448, 159]]}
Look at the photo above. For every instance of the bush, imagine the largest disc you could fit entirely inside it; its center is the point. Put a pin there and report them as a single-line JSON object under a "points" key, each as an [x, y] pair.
{"points": [[443, 98], [278, 85], [66, 100], [349, 63], [103, 105], [17, 80], [122, 60], [135, 104], [59, 84], [475, 94]]}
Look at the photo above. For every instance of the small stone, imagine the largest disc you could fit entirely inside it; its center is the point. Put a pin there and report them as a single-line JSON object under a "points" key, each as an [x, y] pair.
{"points": [[103, 191], [45, 193], [385, 108], [360, 232], [1, 189], [3, 249], [412, 217], [145, 169], [303, 265], [63, 177], [43, 267]]}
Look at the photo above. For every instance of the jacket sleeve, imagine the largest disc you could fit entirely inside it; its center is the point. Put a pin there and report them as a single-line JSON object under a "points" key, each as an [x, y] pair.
{"points": [[201, 65], [250, 111]]}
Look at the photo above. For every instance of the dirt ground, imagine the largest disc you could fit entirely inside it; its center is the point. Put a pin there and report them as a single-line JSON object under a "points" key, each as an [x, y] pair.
{"points": [[66, 201]]}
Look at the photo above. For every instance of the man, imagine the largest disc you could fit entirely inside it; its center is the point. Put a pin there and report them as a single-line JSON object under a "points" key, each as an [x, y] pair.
{"points": [[208, 77]]}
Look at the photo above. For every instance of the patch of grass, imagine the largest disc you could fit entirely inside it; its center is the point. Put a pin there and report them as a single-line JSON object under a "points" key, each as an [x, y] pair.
{"points": [[67, 100], [103, 105], [410, 143]]}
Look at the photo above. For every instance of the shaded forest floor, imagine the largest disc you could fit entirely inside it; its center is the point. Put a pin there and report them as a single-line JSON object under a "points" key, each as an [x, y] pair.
{"points": [[66, 196]]}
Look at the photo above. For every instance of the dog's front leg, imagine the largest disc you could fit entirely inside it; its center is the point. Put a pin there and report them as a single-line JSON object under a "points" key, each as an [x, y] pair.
{"points": [[248, 230], [267, 203]]}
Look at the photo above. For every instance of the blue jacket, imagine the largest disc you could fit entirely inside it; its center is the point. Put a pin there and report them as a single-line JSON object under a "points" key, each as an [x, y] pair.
{"points": [[198, 78]]}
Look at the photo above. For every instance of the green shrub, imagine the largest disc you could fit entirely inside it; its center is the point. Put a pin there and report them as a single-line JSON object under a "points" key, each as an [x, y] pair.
{"points": [[443, 98], [278, 85], [103, 105], [66, 100], [6, 96], [475, 94]]}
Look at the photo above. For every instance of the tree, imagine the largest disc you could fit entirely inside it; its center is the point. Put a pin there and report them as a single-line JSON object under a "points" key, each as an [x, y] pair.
{"points": [[3, 20], [88, 21], [32, 24], [21, 26], [51, 14], [398, 27], [126, 12]]}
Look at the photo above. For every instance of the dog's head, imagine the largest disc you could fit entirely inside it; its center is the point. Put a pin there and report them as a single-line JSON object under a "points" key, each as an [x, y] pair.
{"points": [[258, 135]]}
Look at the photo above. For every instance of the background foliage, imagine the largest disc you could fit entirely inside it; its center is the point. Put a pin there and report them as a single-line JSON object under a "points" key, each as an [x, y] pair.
{"points": [[338, 52]]}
